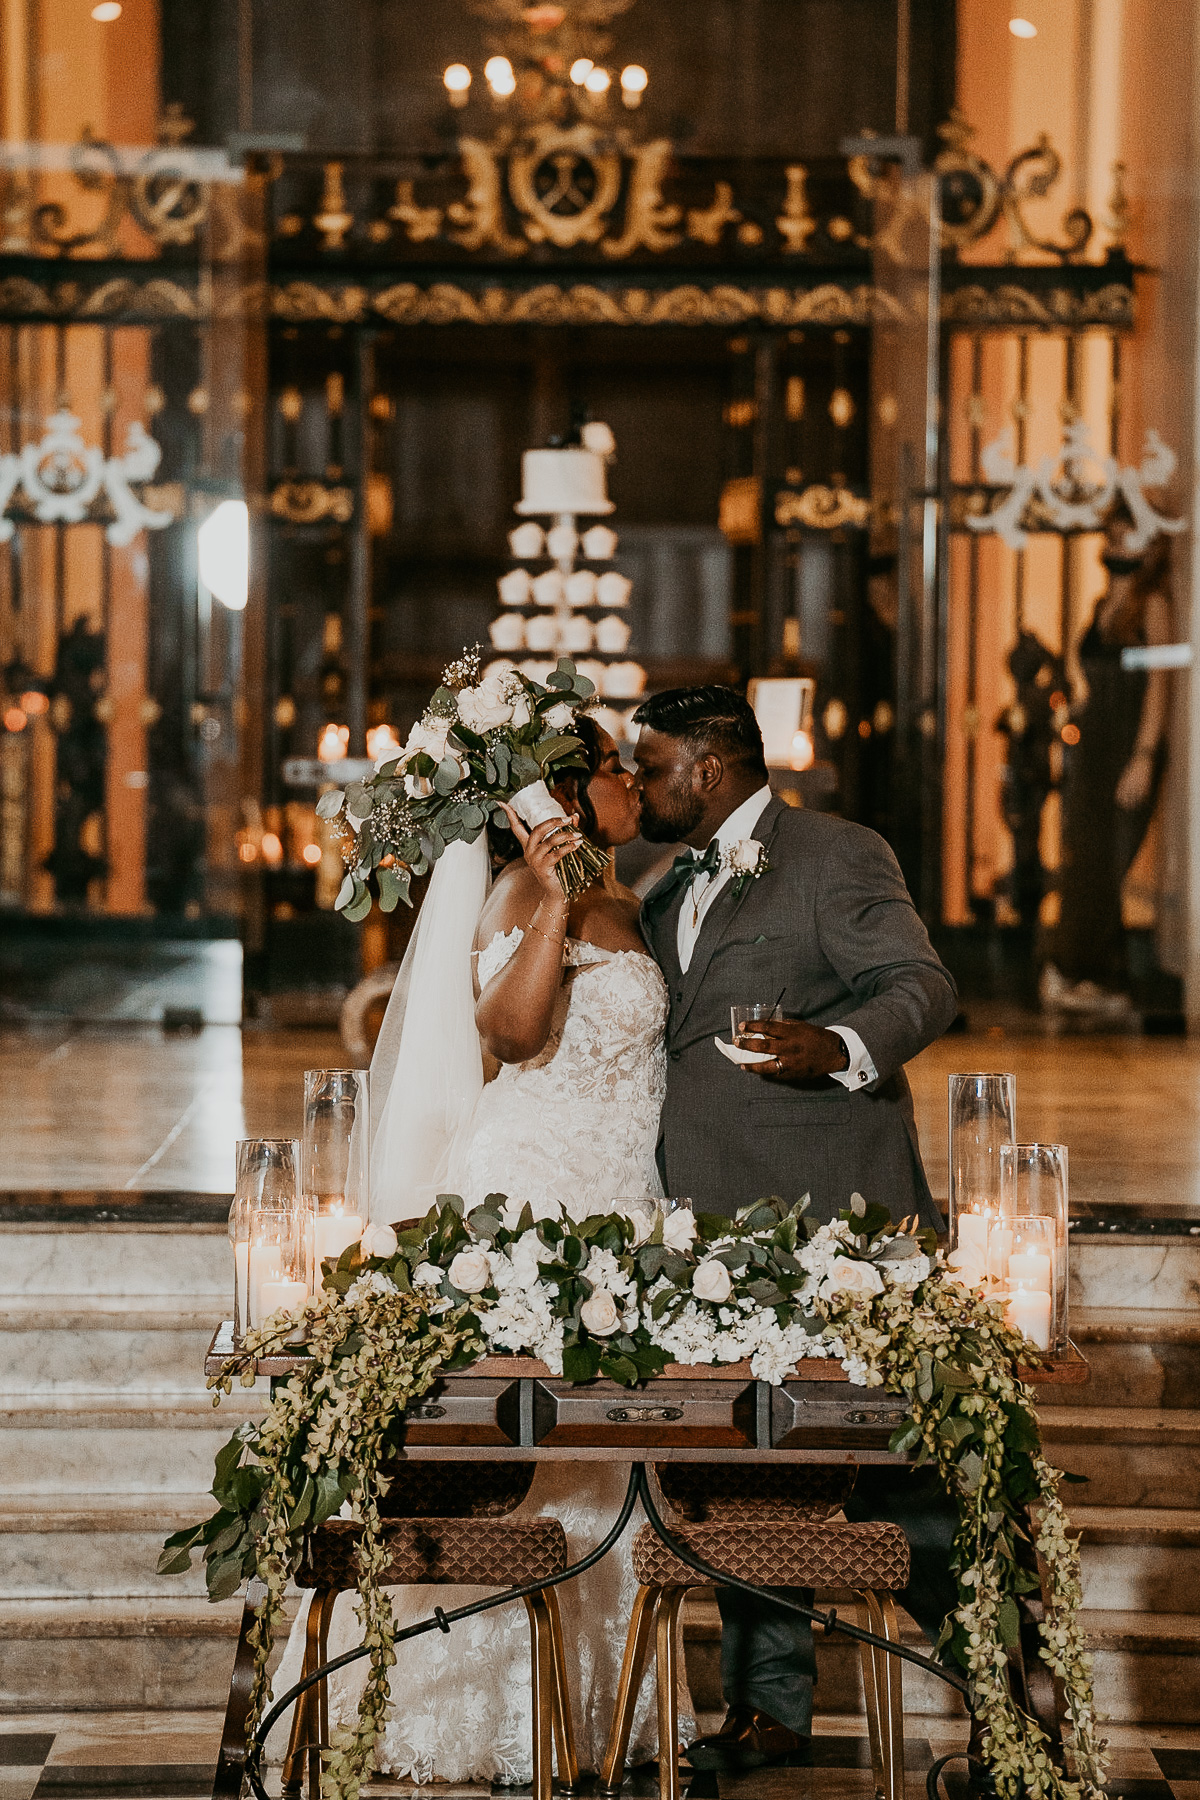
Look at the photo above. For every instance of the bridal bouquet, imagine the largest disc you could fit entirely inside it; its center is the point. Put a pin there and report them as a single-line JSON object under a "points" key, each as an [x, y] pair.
{"points": [[480, 742]]}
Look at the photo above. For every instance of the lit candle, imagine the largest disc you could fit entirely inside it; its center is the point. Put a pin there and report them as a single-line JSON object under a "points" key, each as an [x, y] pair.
{"points": [[335, 1231], [281, 1295], [1029, 1312], [1031, 1268], [1000, 1242], [973, 1230], [265, 1265]]}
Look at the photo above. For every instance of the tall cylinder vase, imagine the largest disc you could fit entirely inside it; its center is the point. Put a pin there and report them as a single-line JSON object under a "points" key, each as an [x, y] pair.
{"points": [[983, 1110], [337, 1148], [278, 1234], [1034, 1185]]}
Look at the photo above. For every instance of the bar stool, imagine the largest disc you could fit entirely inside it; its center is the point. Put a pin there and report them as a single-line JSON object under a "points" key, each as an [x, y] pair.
{"points": [[775, 1528], [445, 1524]]}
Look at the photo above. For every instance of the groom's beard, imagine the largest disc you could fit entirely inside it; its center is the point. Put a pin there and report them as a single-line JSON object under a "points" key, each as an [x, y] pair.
{"points": [[672, 822]]}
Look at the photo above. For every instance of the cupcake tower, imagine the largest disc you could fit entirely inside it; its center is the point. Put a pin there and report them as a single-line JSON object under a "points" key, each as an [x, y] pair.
{"points": [[561, 600]]}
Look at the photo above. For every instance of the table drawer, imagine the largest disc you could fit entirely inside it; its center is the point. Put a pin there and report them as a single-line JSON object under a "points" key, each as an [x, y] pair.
{"points": [[812, 1414], [667, 1412], [466, 1411]]}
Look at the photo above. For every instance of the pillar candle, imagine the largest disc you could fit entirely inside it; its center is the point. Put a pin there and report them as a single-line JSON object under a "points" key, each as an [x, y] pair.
{"points": [[973, 1233], [281, 1294], [335, 1231], [1000, 1240], [1029, 1313], [1032, 1269], [266, 1264]]}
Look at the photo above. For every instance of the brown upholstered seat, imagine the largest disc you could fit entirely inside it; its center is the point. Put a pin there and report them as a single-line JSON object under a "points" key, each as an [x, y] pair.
{"points": [[473, 1552], [775, 1554]]}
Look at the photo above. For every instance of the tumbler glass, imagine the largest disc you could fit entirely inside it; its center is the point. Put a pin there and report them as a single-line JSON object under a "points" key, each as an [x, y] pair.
{"points": [[982, 1119], [1034, 1184]]}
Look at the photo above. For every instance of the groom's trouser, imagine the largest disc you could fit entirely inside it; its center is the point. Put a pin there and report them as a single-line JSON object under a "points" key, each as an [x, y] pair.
{"points": [[767, 1656]]}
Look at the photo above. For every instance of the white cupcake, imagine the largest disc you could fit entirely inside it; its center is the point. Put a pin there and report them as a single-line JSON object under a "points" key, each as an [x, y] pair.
{"points": [[541, 632], [527, 540], [514, 587], [624, 680], [581, 588], [508, 632], [576, 635], [562, 541], [612, 634], [548, 588], [599, 543], [613, 589]]}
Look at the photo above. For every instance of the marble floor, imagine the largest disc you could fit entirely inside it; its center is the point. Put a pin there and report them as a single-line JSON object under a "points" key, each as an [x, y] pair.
{"points": [[156, 1756], [96, 1106]]}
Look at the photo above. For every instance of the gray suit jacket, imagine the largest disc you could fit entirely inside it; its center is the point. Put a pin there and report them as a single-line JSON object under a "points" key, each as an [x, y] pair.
{"points": [[832, 924]]}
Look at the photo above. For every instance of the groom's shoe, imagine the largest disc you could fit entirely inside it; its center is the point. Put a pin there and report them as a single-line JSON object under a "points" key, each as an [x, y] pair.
{"points": [[749, 1739]]}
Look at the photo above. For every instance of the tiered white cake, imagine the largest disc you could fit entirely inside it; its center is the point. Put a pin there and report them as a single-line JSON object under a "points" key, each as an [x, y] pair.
{"points": [[565, 610]]}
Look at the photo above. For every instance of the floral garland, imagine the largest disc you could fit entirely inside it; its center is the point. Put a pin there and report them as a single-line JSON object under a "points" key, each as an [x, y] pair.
{"points": [[621, 1295]]}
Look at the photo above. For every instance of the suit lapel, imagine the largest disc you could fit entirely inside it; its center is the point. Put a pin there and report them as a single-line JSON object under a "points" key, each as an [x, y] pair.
{"points": [[721, 915]]}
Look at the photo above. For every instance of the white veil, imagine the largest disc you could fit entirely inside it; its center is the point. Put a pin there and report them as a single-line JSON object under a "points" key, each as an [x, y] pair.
{"points": [[427, 1070]]}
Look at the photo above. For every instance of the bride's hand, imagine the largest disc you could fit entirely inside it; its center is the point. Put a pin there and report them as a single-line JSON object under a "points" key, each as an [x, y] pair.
{"points": [[545, 846]]}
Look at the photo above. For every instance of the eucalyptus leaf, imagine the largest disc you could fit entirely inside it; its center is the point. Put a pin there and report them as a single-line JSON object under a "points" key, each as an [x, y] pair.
{"points": [[345, 893], [330, 804]]}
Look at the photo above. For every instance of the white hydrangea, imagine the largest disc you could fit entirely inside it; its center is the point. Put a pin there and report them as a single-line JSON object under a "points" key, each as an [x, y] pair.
{"points": [[368, 1287]]}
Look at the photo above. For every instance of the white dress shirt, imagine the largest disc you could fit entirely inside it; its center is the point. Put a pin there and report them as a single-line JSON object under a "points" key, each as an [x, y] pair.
{"points": [[704, 890]]}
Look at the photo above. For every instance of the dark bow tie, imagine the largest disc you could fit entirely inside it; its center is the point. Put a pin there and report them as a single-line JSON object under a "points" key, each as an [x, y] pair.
{"points": [[685, 868]]}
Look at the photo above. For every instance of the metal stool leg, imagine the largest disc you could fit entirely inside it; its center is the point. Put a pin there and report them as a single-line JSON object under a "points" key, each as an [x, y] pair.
{"points": [[323, 1605], [883, 1690], [541, 1661], [564, 1732], [669, 1608], [304, 1723], [633, 1667]]}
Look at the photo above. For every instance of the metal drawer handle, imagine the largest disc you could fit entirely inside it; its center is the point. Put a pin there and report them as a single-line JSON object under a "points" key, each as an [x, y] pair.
{"points": [[877, 1417], [642, 1415], [429, 1411]]}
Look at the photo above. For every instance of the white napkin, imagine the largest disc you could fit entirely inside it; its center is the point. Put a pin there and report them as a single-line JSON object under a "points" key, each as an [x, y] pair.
{"points": [[736, 1054]]}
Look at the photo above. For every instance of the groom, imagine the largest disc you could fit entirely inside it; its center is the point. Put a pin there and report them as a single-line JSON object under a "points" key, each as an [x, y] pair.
{"points": [[771, 904]]}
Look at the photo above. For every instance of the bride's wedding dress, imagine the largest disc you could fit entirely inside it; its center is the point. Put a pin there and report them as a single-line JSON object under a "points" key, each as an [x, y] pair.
{"points": [[577, 1125]]}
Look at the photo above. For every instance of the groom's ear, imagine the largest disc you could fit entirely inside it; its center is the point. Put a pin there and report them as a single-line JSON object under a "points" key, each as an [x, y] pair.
{"points": [[708, 772]]}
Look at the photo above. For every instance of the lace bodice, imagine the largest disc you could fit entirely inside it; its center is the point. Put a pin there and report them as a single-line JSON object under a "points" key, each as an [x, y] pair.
{"points": [[579, 1122]]}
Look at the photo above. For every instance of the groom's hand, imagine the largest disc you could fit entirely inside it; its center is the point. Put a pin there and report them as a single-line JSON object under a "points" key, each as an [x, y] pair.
{"points": [[799, 1051]]}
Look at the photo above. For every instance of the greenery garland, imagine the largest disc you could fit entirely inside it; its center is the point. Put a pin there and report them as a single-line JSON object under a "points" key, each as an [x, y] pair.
{"points": [[621, 1295]]}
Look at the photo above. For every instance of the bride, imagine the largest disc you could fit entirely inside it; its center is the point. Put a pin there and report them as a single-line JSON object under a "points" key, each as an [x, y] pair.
{"points": [[565, 999]]}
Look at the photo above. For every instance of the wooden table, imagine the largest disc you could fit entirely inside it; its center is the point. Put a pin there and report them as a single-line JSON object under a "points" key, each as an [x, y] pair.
{"points": [[512, 1409]]}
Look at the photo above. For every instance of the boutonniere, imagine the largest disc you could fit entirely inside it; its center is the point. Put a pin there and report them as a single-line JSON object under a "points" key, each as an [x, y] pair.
{"points": [[746, 862]]}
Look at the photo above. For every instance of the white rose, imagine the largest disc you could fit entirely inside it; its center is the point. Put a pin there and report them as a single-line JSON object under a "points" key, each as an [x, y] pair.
{"points": [[485, 707], [427, 1274], [521, 714], [846, 1276], [711, 1281], [428, 735], [965, 1269], [418, 787], [470, 1272], [679, 1230], [598, 437], [599, 1314], [643, 1217], [379, 1240], [560, 717], [743, 858]]}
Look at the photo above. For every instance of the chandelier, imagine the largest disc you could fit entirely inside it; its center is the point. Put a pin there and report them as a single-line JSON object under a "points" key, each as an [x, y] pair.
{"points": [[550, 59]]}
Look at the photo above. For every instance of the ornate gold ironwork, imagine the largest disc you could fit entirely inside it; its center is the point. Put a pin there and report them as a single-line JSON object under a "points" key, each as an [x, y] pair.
{"points": [[795, 223], [480, 217], [821, 508], [334, 220], [311, 502], [420, 222], [974, 191], [648, 220], [1013, 305], [707, 223], [564, 183]]}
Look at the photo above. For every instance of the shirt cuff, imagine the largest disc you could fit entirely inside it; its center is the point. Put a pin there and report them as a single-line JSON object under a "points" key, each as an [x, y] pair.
{"points": [[861, 1070]]}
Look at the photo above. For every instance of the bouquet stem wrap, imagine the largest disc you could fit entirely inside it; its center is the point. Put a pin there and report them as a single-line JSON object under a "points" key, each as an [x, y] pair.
{"points": [[578, 869]]}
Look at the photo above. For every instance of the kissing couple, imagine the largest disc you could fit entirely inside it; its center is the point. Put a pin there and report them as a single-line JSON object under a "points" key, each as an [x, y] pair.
{"points": [[595, 1020]]}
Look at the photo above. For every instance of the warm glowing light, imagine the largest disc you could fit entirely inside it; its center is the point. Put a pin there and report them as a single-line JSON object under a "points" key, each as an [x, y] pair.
{"points": [[381, 742], [1022, 28], [598, 81], [106, 12], [34, 703], [458, 82], [581, 68], [334, 745], [224, 545], [634, 79], [15, 719], [499, 73], [803, 753], [1070, 734], [272, 848], [247, 852], [311, 854]]}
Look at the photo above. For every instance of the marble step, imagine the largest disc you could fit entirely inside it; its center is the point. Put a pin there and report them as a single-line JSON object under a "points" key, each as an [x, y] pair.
{"points": [[53, 1546], [1163, 1272], [114, 1444], [1137, 1358], [113, 1654], [1132, 1458], [179, 1260], [1138, 1559], [64, 1343]]}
